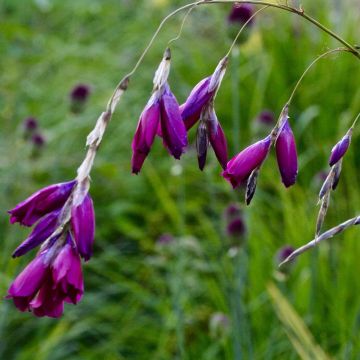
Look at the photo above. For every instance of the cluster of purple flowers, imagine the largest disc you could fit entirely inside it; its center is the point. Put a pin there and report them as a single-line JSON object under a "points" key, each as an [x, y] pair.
{"points": [[163, 116], [55, 275]]}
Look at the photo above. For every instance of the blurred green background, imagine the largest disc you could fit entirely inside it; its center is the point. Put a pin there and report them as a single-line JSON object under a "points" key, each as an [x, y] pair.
{"points": [[202, 294]]}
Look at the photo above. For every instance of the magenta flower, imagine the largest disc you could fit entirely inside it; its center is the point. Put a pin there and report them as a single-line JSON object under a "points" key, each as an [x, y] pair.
{"points": [[83, 226], [286, 154], [161, 116], [339, 150], [202, 94], [55, 275], [240, 167], [42, 202]]}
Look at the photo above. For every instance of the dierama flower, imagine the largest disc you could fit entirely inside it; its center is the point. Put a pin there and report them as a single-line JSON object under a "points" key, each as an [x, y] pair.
{"points": [[339, 150], [286, 152], [240, 167], [239, 15], [210, 131], [78, 96], [38, 140], [161, 112], [30, 124], [55, 275], [202, 95]]}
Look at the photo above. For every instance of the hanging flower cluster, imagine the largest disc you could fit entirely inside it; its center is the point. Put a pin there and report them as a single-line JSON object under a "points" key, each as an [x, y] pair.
{"points": [[55, 275]]}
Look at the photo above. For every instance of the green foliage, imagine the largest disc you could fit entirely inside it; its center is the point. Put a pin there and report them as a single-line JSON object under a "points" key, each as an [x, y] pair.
{"points": [[149, 301]]}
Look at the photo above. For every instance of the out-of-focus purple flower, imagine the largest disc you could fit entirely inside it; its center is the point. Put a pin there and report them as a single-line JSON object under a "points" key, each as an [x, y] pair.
{"points": [[80, 92], [266, 117], [42, 202], [83, 226], [281, 255], [286, 154], [339, 150], [210, 131], [161, 116], [202, 94], [38, 140], [30, 124], [242, 165], [42, 231], [236, 227], [165, 239], [241, 13], [232, 210], [219, 325]]}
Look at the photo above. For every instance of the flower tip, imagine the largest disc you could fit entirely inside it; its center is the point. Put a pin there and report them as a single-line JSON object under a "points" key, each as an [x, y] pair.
{"points": [[167, 54]]}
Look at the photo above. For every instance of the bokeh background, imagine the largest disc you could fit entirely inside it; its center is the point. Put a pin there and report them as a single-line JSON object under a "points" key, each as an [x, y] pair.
{"points": [[170, 279]]}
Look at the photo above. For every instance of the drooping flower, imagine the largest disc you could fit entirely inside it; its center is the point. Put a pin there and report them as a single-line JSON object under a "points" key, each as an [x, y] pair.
{"points": [[38, 140], [283, 253], [83, 226], [286, 152], [161, 115], [30, 124], [240, 167], [42, 202], [66, 231], [78, 97], [339, 150], [201, 95], [210, 131]]}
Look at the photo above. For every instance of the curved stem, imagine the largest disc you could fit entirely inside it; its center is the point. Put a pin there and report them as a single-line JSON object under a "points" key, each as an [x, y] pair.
{"points": [[310, 66], [177, 37]]}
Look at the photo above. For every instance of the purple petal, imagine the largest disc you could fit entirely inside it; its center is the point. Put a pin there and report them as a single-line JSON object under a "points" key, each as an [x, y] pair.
{"points": [[67, 274], [172, 126], [83, 226], [241, 13], [339, 150], [42, 202], [43, 229], [218, 140], [240, 166], [199, 96], [286, 155], [144, 135], [27, 283]]}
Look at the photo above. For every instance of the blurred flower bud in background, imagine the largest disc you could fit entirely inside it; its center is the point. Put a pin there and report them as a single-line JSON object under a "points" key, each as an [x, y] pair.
{"points": [[239, 15], [282, 273], [78, 97], [219, 325], [263, 123], [235, 226]]}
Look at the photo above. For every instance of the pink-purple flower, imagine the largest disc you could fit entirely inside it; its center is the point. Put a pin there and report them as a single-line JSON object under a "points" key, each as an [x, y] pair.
{"points": [[240, 167], [55, 275], [161, 115], [286, 153], [339, 150]]}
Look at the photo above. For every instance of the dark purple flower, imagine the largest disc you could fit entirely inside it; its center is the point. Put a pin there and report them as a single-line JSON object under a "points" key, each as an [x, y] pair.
{"points": [[28, 282], [42, 231], [232, 210], [286, 154], [38, 140], [172, 127], [236, 227], [53, 277], [266, 117], [83, 226], [30, 124], [241, 166], [80, 93], [284, 252], [241, 13], [339, 150], [145, 134], [202, 94], [42, 202]]}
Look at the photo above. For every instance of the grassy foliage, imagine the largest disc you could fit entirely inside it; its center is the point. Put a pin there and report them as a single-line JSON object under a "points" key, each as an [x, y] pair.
{"points": [[149, 301]]}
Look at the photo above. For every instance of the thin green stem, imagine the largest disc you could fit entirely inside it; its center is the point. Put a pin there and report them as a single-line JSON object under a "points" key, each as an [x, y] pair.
{"points": [[177, 37], [311, 65]]}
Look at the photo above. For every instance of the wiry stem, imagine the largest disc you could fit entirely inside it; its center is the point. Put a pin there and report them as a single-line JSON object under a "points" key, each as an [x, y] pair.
{"points": [[324, 236]]}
